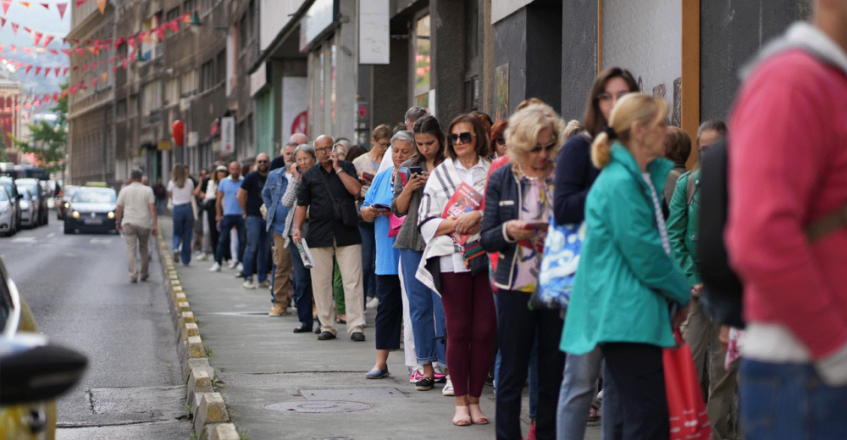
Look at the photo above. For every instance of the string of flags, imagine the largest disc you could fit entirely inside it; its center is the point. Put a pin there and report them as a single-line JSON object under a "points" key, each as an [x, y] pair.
{"points": [[60, 7]]}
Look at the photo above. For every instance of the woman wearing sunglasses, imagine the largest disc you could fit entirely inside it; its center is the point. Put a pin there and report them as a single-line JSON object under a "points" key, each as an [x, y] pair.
{"points": [[498, 138], [518, 207], [465, 290]]}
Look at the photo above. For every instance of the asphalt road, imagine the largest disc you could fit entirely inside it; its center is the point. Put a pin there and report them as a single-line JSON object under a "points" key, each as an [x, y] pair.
{"points": [[79, 291]]}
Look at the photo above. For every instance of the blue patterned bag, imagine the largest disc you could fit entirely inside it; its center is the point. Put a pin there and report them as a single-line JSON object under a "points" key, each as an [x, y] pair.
{"points": [[558, 266]]}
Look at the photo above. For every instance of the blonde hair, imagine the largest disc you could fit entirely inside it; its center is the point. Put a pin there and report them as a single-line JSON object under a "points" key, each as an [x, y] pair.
{"points": [[632, 108], [524, 127], [178, 175], [572, 128]]}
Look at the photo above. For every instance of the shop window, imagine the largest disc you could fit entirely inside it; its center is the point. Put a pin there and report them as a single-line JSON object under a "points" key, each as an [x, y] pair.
{"points": [[422, 64]]}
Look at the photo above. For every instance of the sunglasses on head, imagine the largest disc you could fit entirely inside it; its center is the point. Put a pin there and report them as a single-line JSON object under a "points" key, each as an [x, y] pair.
{"points": [[465, 138], [549, 147]]}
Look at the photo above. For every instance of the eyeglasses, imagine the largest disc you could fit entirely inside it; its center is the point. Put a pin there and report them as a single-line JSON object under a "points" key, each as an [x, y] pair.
{"points": [[262, 161], [500, 141], [548, 148], [464, 138], [608, 96], [323, 150]]}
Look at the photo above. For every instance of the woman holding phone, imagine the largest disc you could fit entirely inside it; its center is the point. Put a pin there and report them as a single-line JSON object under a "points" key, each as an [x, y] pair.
{"points": [[518, 208]]}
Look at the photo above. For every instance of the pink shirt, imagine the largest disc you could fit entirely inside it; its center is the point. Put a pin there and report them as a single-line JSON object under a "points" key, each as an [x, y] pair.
{"points": [[788, 167]]}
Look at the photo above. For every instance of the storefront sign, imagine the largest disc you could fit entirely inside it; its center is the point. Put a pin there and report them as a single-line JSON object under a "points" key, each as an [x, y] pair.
{"points": [[164, 146], [374, 36], [228, 135]]}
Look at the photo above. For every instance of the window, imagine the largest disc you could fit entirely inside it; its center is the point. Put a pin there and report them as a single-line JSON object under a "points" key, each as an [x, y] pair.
{"points": [[242, 31], [151, 97], [189, 83], [422, 62], [133, 105], [207, 76], [472, 26], [120, 109], [172, 14], [220, 67], [172, 91]]}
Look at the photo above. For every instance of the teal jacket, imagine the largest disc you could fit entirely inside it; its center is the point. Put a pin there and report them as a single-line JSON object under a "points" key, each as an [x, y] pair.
{"points": [[683, 227], [625, 280]]}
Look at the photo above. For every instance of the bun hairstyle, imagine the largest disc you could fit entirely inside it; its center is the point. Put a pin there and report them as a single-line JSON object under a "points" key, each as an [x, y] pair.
{"points": [[632, 108]]}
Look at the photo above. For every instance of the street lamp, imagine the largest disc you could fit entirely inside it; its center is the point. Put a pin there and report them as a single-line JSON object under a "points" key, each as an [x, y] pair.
{"points": [[195, 22]]}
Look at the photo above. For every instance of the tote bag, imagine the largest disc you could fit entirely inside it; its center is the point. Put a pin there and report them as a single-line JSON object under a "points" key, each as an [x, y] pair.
{"points": [[688, 417], [562, 248]]}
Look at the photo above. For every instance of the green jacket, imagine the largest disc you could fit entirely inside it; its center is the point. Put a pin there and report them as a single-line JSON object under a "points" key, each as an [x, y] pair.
{"points": [[684, 227], [625, 280]]}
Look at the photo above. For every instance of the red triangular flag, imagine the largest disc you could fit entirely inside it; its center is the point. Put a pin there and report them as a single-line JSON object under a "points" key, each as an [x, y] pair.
{"points": [[28, 30], [38, 36], [27, 50], [97, 44], [67, 52], [118, 42], [160, 33], [79, 51], [80, 2], [37, 71], [94, 82], [46, 5], [14, 25], [1, 47], [2, 22], [123, 63], [28, 68], [102, 5], [48, 39], [6, 4], [54, 51], [76, 68], [61, 7], [84, 68], [46, 97], [174, 25], [47, 72], [131, 42], [56, 96], [14, 49], [65, 71], [186, 17], [26, 4], [114, 68], [18, 65], [107, 42]]}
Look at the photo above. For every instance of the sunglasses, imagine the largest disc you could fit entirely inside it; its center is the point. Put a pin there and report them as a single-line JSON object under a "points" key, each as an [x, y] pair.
{"points": [[608, 96], [384, 144], [263, 161], [548, 148], [464, 138], [500, 141]]}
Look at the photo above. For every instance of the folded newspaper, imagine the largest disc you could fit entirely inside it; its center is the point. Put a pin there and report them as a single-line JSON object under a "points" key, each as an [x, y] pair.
{"points": [[305, 254]]}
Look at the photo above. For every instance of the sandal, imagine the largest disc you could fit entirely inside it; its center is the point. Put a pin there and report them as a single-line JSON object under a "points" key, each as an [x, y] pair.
{"points": [[594, 412], [462, 417], [482, 419]]}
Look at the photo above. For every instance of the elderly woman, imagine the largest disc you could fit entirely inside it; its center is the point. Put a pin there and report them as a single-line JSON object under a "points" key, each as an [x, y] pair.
{"points": [[518, 207], [304, 157], [389, 312], [628, 283], [465, 293], [425, 310]]}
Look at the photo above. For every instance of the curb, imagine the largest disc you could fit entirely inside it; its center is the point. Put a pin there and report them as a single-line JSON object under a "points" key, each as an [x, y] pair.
{"points": [[209, 411]]}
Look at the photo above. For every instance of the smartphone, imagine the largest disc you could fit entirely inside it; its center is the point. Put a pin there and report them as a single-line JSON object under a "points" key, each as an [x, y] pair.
{"points": [[415, 170]]}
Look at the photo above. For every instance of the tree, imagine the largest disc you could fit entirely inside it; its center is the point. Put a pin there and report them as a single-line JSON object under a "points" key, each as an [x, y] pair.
{"points": [[3, 157], [47, 142]]}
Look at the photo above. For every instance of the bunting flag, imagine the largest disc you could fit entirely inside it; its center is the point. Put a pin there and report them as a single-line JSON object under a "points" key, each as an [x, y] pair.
{"points": [[102, 5], [25, 4], [2, 22], [65, 71], [46, 5], [37, 71], [104, 76], [61, 7], [114, 68], [54, 51], [15, 28], [94, 81], [27, 50], [48, 39], [6, 4], [37, 37], [79, 52], [123, 63], [67, 52], [84, 67], [80, 2], [28, 68], [174, 25], [119, 41], [14, 49]]}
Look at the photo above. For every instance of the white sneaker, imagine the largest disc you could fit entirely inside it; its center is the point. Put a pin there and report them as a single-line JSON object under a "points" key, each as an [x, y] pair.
{"points": [[448, 387], [239, 267], [202, 257], [215, 267], [265, 284], [248, 284], [373, 303], [232, 264]]}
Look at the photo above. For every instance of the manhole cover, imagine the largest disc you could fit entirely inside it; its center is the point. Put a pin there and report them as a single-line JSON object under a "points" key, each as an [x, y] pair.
{"points": [[319, 406], [352, 394]]}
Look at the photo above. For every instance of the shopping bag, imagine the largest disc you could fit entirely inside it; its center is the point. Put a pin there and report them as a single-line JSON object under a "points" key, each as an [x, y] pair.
{"points": [[687, 410], [558, 266]]}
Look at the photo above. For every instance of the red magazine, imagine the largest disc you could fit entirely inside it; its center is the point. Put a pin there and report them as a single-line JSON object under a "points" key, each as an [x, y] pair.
{"points": [[465, 199]]}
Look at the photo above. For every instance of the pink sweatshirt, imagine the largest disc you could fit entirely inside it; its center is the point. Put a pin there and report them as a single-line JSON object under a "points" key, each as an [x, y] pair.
{"points": [[788, 167]]}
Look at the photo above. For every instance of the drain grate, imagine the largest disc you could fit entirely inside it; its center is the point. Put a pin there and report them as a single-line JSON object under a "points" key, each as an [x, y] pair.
{"points": [[318, 406], [352, 394]]}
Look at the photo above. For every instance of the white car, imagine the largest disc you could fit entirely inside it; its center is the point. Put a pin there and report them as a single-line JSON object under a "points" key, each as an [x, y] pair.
{"points": [[29, 210], [7, 213]]}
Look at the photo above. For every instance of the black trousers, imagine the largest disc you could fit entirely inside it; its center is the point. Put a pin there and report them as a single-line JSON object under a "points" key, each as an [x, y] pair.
{"points": [[640, 378], [516, 331], [389, 312]]}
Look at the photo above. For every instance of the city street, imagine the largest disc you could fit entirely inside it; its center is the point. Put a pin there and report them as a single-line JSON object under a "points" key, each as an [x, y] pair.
{"points": [[79, 291]]}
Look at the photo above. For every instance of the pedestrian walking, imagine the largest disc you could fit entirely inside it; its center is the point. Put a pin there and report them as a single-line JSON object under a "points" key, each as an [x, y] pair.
{"points": [[466, 295], [257, 251], [786, 186], [516, 231], [575, 174], [180, 190], [199, 185], [211, 235], [161, 195], [229, 214], [135, 217], [426, 312], [627, 276], [389, 313], [275, 187], [304, 157], [329, 190]]}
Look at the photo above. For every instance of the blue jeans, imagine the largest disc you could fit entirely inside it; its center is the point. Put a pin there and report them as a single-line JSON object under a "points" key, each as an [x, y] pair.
{"points": [[258, 249], [302, 287], [426, 313], [183, 226], [227, 223], [789, 401], [160, 205], [579, 386], [368, 261]]}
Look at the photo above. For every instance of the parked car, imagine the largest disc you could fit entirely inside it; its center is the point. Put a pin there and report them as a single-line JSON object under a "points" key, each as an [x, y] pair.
{"points": [[29, 209], [12, 189], [35, 372], [91, 209], [64, 200], [38, 197], [8, 213]]}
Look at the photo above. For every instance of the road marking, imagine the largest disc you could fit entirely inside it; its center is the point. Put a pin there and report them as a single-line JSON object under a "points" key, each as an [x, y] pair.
{"points": [[100, 240], [24, 240], [51, 235]]}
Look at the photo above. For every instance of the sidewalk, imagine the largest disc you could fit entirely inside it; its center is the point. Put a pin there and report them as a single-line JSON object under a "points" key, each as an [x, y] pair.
{"points": [[279, 384]]}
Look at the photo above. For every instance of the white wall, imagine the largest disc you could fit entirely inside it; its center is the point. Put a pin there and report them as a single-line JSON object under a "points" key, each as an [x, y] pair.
{"points": [[501, 9], [295, 100], [273, 16]]}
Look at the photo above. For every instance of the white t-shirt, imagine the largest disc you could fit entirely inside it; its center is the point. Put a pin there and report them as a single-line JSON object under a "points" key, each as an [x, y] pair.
{"points": [[136, 200], [182, 195]]}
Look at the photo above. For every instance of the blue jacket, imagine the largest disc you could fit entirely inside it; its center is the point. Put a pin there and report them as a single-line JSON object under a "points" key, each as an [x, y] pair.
{"points": [[625, 280], [272, 193], [574, 176], [503, 200]]}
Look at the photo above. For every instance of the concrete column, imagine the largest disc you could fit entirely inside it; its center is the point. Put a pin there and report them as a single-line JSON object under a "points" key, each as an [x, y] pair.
{"points": [[579, 55], [448, 57], [347, 70]]}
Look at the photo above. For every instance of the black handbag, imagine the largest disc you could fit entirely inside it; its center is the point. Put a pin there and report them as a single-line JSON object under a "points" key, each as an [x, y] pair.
{"points": [[343, 209]]}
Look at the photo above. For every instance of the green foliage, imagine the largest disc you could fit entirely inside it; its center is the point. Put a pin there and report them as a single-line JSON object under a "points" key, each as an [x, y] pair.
{"points": [[48, 142], [3, 157]]}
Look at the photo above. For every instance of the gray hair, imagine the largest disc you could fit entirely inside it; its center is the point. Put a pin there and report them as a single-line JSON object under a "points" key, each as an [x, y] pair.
{"points": [[306, 148], [135, 174], [415, 113], [403, 135], [343, 141]]}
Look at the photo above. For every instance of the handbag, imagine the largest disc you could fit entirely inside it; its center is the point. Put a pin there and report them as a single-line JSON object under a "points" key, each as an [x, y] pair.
{"points": [[562, 249], [343, 209], [395, 224], [688, 417]]}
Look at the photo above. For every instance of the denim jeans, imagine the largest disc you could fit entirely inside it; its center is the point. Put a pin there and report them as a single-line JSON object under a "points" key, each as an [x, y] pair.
{"points": [[302, 287], [368, 260], [579, 386], [183, 227], [258, 248], [425, 311], [227, 223], [789, 401]]}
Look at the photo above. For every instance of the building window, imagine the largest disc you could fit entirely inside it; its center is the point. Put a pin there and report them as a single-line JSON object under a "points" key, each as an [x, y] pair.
{"points": [[422, 61], [242, 31], [120, 109], [172, 92], [172, 14], [189, 83], [220, 66], [133, 106], [151, 97], [472, 26], [207, 76]]}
